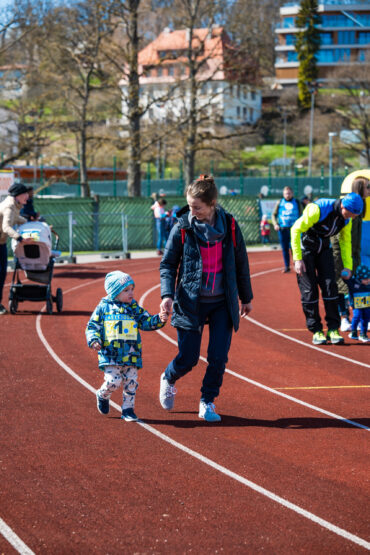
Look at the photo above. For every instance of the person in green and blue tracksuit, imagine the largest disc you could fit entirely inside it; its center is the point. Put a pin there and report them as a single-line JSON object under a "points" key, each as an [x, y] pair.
{"points": [[113, 331], [314, 261], [287, 210]]}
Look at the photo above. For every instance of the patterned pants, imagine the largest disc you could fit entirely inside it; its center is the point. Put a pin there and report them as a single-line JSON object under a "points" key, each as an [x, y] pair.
{"points": [[114, 376]]}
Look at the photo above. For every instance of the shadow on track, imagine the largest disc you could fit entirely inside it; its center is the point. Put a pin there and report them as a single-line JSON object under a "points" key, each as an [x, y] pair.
{"points": [[283, 423]]}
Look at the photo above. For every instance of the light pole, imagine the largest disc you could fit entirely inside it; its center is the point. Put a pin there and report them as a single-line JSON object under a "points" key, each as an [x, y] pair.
{"points": [[312, 87], [284, 142], [331, 135]]}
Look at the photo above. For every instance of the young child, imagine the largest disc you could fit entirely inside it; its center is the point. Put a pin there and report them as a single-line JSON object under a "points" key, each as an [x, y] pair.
{"points": [[113, 331], [359, 288], [265, 229]]}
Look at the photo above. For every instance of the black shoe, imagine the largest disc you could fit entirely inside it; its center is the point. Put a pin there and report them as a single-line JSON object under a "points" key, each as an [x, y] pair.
{"points": [[286, 270], [102, 404], [129, 415]]}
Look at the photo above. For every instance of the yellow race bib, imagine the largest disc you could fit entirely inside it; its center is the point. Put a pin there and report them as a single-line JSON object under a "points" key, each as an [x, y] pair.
{"points": [[361, 300], [120, 327]]}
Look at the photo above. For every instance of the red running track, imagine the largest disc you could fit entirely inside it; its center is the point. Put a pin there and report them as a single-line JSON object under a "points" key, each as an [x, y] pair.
{"points": [[286, 470]]}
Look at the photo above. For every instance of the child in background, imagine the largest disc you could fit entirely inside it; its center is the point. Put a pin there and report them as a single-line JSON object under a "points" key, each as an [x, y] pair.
{"points": [[359, 288], [265, 229], [113, 331]]}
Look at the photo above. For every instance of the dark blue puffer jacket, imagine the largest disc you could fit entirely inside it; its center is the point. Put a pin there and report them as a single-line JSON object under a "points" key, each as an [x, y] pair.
{"points": [[184, 262]]}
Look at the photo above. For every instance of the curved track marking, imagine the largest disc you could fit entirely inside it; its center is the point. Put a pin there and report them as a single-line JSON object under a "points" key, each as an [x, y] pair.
{"points": [[260, 385], [255, 487]]}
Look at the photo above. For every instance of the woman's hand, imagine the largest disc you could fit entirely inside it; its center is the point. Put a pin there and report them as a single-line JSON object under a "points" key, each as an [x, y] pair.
{"points": [[245, 309], [166, 306]]}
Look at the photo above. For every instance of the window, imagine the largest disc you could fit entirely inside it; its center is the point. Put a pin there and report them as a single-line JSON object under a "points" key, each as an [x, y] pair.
{"points": [[238, 112], [170, 70], [159, 72], [331, 56], [288, 22], [290, 40], [346, 37], [253, 95], [364, 38], [245, 112], [326, 38], [292, 57]]}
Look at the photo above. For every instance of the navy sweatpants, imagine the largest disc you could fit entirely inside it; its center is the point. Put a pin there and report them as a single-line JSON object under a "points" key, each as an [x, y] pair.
{"points": [[189, 341]]}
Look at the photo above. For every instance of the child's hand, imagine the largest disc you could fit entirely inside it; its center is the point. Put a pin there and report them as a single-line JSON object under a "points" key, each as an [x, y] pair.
{"points": [[96, 346], [163, 316]]}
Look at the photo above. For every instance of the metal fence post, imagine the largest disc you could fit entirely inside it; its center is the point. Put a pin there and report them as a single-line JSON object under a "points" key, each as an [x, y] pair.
{"points": [[124, 234], [70, 229], [114, 176]]}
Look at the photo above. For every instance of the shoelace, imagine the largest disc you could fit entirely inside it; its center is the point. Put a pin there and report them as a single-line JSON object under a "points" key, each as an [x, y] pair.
{"points": [[171, 390], [211, 407]]}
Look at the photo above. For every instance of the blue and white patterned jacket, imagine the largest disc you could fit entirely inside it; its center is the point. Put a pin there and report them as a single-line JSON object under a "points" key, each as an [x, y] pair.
{"points": [[116, 327]]}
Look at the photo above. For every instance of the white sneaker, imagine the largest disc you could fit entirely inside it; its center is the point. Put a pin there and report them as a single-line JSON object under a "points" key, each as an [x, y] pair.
{"points": [[207, 411], [345, 325], [167, 393]]}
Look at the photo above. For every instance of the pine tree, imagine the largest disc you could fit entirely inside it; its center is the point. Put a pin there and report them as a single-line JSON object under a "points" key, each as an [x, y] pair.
{"points": [[307, 45]]}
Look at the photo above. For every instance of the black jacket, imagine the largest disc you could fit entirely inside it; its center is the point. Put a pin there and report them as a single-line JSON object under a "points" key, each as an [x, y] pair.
{"points": [[183, 260]]}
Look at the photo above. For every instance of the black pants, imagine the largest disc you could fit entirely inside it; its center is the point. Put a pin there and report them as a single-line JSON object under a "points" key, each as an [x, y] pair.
{"points": [[319, 273]]}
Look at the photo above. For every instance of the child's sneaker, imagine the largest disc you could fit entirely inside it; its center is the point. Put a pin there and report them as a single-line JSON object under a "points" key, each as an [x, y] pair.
{"points": [[364, 338], [207, 411], [353, 335], [345, 325], [129, 415], [102, 404], [319, 338], [167, 393], [334, 337]]}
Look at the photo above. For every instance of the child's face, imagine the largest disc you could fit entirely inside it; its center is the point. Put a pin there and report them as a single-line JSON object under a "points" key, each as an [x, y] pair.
{"points": [[365, 281], [126, 295]]}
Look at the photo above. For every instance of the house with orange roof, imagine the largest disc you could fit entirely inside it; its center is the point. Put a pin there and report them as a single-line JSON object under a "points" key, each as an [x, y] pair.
{"points": [[225, 81]]}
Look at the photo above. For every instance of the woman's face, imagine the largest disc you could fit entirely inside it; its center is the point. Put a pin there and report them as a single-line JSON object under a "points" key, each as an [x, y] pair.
{"points": [[200, 210]]}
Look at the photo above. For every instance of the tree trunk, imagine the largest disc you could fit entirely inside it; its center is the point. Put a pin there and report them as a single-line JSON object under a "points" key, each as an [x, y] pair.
{"points": [[134, 115]]}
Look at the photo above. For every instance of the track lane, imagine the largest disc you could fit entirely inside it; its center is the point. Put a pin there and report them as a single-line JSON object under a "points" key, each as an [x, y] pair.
{"points": [[187, 423]]}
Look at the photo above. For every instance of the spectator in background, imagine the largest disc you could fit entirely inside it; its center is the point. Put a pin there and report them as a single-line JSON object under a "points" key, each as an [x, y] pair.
{"points": [[28, 211], [265, 229], [159, 215], [360, 185], [305, 200], [287, 210], [9, 218], [314, 260], [359, 288]]}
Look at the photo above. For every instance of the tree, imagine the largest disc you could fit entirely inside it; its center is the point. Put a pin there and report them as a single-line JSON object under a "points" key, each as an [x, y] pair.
{"points": [[351, 101], [72, 70], [307, 46]]}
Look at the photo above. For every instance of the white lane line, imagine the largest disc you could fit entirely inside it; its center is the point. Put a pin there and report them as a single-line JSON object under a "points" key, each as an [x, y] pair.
{"points": [[251, 485], [14, 540], [260, 385]]}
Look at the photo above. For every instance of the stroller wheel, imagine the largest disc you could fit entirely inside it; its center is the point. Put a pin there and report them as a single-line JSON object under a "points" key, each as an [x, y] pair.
{"points": [[13, 305], [59, 299], [49, 305]]}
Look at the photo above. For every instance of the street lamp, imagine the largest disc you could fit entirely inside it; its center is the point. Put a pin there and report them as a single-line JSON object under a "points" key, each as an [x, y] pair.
{"points": [[331, 135], [312, 87]]}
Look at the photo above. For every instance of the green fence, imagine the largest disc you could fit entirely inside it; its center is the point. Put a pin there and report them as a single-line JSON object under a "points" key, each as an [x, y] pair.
{"points": [[241, 185], [90, 225]]}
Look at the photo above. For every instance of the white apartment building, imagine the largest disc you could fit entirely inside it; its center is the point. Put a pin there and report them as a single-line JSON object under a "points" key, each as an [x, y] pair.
{"points": [[164, 85]]}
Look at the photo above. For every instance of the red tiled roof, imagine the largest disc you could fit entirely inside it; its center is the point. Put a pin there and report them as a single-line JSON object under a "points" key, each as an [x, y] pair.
{"points": [[177, 41]]}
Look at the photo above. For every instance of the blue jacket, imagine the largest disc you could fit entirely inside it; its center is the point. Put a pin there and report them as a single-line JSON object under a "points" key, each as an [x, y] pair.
{"points": [[358, 292], [182, 260], [116, 327]]}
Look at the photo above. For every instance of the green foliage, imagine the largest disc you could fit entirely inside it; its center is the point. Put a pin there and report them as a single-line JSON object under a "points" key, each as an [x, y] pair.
{"points": [[307, 45]]}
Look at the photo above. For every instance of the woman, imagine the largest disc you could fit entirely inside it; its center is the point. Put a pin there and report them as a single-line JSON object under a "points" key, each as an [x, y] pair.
{"points": [[9, 217], [207, 254]]}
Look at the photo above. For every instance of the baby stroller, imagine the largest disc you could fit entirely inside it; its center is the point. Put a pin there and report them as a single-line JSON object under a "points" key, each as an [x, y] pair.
{"points": [[37, 261]]}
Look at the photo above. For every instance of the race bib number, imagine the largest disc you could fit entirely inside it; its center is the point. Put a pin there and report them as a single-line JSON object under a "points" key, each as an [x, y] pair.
{"points": [[361, 300], [120, 327]]}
